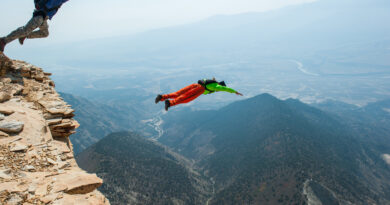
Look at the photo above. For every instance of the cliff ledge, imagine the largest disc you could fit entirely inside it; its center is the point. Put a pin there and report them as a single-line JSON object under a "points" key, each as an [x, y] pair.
{"points": [[37, 164]]}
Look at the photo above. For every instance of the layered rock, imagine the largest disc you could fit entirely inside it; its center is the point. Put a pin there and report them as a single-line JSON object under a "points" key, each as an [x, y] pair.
{"points": [[37, 165]]}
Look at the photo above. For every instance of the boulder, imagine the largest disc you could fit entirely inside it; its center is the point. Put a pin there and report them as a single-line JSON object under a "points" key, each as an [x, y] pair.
{"points": [[4, 96], [6, 111], [2, 117], [11, 126], [80, 182]]}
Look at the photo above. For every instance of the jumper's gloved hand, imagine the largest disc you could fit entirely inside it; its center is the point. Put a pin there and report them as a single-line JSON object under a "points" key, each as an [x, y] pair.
{"points": [[237, 93]]}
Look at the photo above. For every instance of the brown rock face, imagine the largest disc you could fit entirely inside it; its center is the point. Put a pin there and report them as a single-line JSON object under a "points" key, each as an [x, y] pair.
{"points": [[37, 165]]}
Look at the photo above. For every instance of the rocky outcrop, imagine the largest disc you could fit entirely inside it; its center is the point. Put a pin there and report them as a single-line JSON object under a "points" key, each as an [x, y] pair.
{"points": [[37, 165]]}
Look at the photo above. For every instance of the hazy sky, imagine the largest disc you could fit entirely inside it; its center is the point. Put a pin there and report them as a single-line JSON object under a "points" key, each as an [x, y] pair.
{"points": [[85, 19]]}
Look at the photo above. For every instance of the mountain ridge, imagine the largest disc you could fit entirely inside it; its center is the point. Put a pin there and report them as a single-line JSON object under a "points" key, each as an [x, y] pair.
{"points": [[314, 27], [267, 140]]}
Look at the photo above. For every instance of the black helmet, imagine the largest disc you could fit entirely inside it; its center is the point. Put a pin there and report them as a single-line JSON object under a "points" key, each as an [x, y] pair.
{"points": [[222, 83]]}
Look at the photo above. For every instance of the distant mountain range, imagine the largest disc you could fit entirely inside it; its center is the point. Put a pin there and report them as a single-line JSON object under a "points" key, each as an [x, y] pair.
{"points": [[299, 31], [266, 151], [138, 171], [261, 150]]}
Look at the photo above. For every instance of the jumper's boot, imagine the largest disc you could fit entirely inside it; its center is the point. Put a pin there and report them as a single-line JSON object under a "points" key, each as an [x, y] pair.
{"points": [[158, 98], [167, 105], [21, 40], [2, 44]]}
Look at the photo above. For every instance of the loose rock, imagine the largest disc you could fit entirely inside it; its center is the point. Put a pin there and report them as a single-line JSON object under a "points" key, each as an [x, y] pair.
{"points": [[3, 134], [29, 167], [11, 126], [81, 183], [6, 111], [49, 198], [5, 174], [18, 147], [51, 161], [4, 96], [15, 199]]}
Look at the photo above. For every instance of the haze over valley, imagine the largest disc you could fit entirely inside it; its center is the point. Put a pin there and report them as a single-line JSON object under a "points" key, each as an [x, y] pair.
{"points": [[314, 51], [313, 126]]}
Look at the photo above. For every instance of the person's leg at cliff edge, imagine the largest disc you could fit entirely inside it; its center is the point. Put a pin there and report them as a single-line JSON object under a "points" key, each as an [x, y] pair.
{"points": [[25, 31], [44, 10]]}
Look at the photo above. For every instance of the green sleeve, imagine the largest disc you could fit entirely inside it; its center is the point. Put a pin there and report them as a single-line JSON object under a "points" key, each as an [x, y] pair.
{"points": [[216, 87]]}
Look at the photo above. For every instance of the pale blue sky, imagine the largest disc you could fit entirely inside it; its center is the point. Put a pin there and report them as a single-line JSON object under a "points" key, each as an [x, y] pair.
{"points": [[86, 19]]}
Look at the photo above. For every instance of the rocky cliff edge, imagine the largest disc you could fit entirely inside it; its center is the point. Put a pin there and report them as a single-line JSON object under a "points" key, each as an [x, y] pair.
{"points": [[37, 164]]}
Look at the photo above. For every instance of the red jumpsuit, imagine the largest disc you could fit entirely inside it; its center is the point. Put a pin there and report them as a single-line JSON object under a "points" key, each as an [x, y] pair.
{"points": [[184, 95]]}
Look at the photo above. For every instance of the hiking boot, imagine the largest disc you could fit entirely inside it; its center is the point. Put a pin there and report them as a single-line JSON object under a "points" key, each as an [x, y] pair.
{"points": [[167, 105], [21, 40], [158, 98], [2, 44]]}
